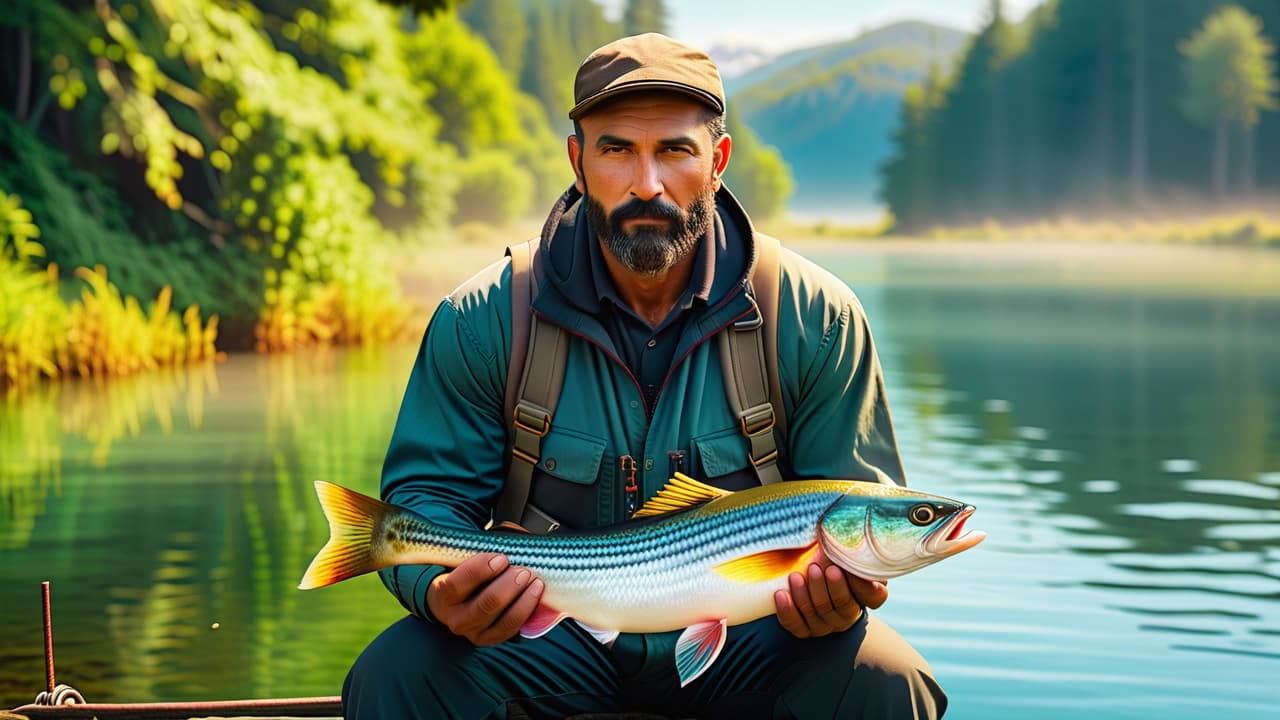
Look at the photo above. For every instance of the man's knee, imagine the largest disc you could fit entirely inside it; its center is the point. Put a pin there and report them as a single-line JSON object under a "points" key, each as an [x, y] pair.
{"points": [[394, 674], [892, 679], [868, 672]]}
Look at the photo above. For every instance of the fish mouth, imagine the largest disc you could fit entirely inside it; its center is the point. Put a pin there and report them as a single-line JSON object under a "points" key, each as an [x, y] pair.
{"points": [[950, 537]]}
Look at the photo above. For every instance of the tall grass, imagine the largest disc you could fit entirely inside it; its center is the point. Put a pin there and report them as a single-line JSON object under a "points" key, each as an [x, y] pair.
{"points": [[101, 332]]}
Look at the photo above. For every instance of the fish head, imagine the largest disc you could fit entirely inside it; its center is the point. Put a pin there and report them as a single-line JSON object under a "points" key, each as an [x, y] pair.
{"points": [[879, 532]]}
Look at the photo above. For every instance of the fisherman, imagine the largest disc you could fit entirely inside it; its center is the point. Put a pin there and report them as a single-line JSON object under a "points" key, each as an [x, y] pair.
{"points": [[644, 260]]}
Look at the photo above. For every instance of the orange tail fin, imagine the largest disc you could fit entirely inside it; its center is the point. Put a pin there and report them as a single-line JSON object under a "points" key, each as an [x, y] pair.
{"points": [[352, 519]]}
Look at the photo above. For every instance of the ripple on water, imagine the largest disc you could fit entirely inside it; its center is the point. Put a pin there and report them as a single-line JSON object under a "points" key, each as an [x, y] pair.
{"points": [[1179, 465], [1232, 488], [1200, 511]]}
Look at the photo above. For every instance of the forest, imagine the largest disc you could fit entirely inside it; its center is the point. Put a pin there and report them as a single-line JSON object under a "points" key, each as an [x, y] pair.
{"points": [[1088, 107]]}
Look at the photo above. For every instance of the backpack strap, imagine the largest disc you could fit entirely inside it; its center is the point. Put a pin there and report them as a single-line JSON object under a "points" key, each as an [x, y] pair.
{"points": [[749, 358], [535, 376]]}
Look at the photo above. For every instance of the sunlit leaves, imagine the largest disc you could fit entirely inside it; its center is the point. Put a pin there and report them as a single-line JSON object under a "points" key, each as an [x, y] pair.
{"points": [[1230, 69]]}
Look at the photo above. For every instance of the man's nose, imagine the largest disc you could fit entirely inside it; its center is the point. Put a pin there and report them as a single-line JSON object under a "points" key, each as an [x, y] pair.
{"points": [[647, 182]]}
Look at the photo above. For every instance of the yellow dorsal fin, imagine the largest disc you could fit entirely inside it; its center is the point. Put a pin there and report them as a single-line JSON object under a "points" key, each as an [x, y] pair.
{"points": [[767, 565], [680, 493]]}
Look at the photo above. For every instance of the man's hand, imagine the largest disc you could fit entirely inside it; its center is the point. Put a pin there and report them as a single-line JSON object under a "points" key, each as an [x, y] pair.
{"points": [[484, 599], [825, 599]]}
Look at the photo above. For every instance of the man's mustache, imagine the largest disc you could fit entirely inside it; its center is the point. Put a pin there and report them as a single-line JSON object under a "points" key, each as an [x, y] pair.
{"points": [[648, 209]]}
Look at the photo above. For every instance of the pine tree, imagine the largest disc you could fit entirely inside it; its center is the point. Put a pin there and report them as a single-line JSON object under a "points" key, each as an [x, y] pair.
{"points": [[1230, 75], [642, 16]]}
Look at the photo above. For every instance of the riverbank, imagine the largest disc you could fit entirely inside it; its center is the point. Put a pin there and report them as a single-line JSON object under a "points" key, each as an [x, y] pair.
{"points": [[1059, 253], [1242, 229]]}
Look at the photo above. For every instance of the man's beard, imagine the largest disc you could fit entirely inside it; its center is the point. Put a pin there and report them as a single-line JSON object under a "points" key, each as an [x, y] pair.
{"points": [[652, 250]]}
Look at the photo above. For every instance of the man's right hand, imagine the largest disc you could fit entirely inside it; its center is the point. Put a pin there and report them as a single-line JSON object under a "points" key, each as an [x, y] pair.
{"points": [[484, 599]]}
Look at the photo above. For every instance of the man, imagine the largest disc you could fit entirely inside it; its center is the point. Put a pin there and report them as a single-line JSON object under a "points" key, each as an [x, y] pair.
{"points": [[645, 259]]}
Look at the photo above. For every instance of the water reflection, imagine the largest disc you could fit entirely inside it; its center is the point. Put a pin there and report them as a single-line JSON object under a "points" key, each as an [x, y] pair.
{"points": [[1117, 444], [174, 514]]}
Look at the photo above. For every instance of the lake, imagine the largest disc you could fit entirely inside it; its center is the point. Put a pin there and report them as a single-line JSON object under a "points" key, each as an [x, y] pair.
{"points": [[1113, 412]]}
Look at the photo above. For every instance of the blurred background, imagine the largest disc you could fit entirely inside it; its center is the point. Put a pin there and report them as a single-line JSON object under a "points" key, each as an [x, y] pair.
{"points": [[223, 225]]}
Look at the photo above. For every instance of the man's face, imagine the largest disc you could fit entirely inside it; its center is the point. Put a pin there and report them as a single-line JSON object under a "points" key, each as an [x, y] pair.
{"points": [[649, 171]]}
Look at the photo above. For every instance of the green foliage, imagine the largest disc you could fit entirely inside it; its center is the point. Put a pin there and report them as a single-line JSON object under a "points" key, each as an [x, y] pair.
{"points": [[267, 159], [502, 24], [285, 149], [756, 174], [481, 110], [1230, 69], [494, 189]]}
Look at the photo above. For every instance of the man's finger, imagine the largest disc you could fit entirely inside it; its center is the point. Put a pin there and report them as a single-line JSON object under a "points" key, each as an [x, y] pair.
{"points": [[519, 611], [788, 617], [472, 574], [800, 594], [838, 585], [496, 597], [818, 591], [870, 593]]}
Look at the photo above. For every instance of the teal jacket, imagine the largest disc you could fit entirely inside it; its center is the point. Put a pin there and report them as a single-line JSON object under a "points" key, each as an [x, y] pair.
{"points": [[447, 457]]}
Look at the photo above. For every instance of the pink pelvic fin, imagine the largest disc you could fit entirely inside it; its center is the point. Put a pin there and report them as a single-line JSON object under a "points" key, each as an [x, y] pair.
{"points": [[541, 621], [699, 646]]}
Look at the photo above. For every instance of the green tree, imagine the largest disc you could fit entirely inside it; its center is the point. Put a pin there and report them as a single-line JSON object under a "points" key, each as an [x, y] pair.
{"points": [[502, 24], [587, 26], [1230, 76], [642, 16], [756, 174], [548, 65], [908, 178]]}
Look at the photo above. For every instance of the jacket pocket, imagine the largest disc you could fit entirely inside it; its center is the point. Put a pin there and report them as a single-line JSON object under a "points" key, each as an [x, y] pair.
{"points": [[721, 453], [571, 456], [565, 482]]}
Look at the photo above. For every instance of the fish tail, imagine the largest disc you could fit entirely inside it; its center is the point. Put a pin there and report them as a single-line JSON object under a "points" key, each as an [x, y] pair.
{"points": [[352, 519]]}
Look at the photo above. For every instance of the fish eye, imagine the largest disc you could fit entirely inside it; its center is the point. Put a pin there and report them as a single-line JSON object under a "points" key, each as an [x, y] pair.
{"points": [[922, 514]]}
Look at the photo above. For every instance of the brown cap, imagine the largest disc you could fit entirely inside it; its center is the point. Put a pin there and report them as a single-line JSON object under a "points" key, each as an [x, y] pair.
{"points": [[646, 62]]}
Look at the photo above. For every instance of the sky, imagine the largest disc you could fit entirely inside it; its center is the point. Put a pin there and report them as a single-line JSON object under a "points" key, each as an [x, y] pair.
{"points": [[778, 26]]}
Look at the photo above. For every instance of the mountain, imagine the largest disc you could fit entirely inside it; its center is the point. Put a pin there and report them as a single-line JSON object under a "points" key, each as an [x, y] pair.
{"points": [[735, 60], [831, 110]]}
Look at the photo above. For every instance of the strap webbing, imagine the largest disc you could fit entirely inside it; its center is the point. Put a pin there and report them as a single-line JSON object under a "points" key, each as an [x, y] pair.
{"points": [[539, 350], [749, 357], [533, 389]]}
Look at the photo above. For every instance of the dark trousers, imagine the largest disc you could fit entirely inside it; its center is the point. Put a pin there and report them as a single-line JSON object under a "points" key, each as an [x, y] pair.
{"points": [[416, 669]]}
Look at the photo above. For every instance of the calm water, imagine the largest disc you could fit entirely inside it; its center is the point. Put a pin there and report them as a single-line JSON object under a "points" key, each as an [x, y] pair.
{"points": [[1115, 417]]}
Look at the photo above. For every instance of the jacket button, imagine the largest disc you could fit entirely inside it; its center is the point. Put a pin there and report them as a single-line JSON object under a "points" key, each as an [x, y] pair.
{"points": [[549, 463], [648, 463], [635, 404], [653, 342]]}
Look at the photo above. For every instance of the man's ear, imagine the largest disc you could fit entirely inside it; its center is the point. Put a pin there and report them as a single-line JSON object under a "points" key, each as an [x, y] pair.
{"points": [[575, 160], [720, 157]]}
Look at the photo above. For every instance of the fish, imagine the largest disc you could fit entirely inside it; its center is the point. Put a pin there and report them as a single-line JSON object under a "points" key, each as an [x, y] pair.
{"points": [[702, 560]]}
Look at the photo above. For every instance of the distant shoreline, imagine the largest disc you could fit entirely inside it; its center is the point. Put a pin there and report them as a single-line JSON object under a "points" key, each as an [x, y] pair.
{"points": [[1245, 229]]}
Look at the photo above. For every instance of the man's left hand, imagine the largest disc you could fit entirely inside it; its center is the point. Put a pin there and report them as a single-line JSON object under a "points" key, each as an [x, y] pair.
{"points": [[826, 599]]}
